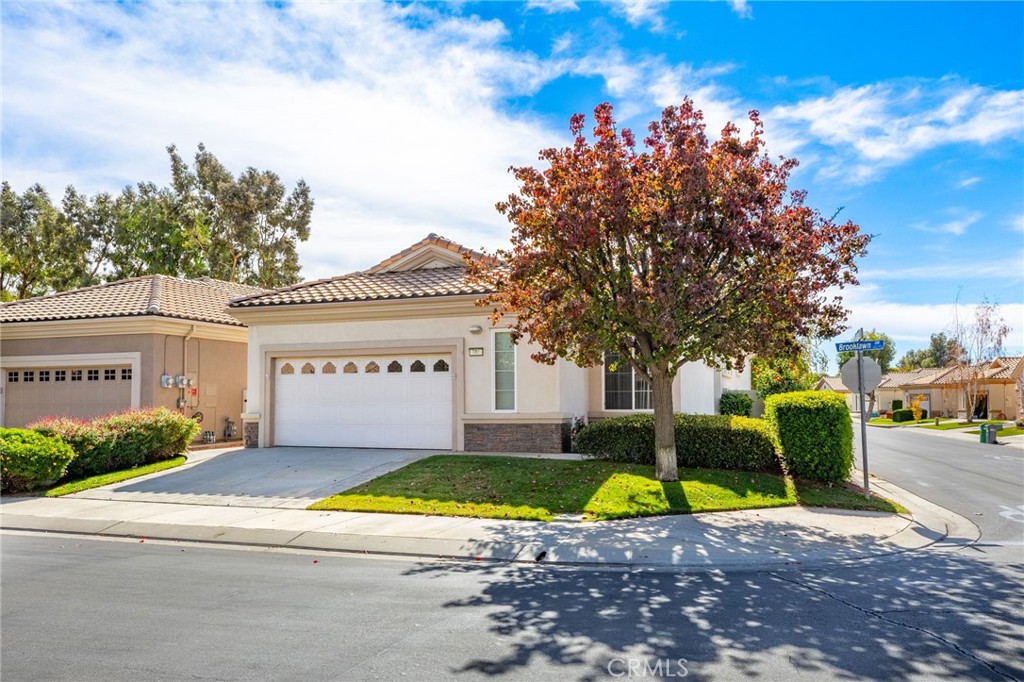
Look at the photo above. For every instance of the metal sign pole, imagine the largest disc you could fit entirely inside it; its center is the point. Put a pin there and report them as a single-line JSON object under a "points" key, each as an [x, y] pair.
{"points": [[863, 423]]}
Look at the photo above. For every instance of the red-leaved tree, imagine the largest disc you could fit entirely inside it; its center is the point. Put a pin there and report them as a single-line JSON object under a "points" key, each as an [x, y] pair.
{"points": [[684, 250]]}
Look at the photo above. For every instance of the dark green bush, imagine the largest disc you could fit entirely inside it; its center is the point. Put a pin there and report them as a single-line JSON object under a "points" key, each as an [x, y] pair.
{"points": [[814, 434], [907, 415], [121, 441], [702, 441], [897, 405], [30, 460], [735, 402]]}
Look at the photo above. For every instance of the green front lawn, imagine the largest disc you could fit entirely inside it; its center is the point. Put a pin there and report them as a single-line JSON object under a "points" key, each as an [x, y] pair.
{"points": [[885, 421], [113, 477], [957, 425], [540, 489], [1008, 431]]}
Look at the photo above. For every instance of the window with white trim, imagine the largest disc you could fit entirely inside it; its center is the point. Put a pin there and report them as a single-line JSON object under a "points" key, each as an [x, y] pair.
{"points": [[504, 371], [624, 389]]}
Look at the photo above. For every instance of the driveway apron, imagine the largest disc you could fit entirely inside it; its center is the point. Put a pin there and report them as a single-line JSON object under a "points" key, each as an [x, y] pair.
{"points": [[284, 477]]}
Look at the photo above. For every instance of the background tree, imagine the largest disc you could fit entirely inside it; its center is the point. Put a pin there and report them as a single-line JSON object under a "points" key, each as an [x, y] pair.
{"points": [[980, 341], [686, 251], [769, 376], [39, 252], [207, 222], [942, 351], [883, 357], [253, 227]]}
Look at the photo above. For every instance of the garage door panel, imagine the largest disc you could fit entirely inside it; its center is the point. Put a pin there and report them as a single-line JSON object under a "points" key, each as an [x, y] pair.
{"points": [[35, 393], [364, 409]]}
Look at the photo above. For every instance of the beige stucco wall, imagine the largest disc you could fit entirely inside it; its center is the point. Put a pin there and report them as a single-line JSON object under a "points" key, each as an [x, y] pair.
{"points": [[539, 388], [218, 366]]}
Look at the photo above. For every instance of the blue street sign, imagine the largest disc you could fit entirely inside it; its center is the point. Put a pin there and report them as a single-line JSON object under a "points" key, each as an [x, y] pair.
{"points": [[870, 344]]}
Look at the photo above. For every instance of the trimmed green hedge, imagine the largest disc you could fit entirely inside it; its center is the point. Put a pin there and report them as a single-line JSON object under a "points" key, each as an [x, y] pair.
{"points": [[121, 441], [702, 441], [30, 460], [814, 433], [907, 415], [735, 402]]}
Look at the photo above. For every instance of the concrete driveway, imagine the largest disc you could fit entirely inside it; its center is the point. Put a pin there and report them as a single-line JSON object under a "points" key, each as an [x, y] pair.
{"points": [[286, 477]]}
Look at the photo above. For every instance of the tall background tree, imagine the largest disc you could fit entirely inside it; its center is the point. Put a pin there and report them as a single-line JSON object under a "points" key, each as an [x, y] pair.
{"points": [[981, 341], [686, 250], [942, 351], [883, 357], [206, 222]]}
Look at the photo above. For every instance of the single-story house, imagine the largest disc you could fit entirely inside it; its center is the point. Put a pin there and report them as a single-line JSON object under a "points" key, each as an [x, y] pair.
{"points": [[941, 392], [147, 341], [827, 383], [400, 355]]}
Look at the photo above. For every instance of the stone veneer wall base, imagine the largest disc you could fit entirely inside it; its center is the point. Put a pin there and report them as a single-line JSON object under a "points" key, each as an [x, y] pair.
{"points": [[251, 434], [517, 437]]}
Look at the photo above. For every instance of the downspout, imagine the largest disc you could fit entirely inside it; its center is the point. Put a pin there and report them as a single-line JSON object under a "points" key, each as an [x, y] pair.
{"points": [[183, 401]]}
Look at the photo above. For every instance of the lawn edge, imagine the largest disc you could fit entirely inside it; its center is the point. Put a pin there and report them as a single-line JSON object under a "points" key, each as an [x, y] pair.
{"points": [[101, 480]]}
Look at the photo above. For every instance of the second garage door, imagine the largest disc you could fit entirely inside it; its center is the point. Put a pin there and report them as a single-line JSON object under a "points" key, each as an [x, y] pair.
{"points": [[366, 402]]}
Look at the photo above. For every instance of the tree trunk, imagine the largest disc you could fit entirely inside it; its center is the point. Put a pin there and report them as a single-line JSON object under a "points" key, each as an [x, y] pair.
{"points": [[665, 466]]}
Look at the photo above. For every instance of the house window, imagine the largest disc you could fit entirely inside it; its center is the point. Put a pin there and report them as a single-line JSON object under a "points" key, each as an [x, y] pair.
{"points": [[504, 371], [12, 377], [440, 366], [350, 368], [76, 375], [417, 366], [372, 367], [624, 389], [308, 368], [287, 368], [394, 367], [329, 368], [60, 375], [44, 375], [126, 374], [28, 376], [110, 375]]}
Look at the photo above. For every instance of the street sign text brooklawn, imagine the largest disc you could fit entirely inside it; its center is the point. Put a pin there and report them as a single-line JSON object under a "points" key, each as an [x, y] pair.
{"points": [[870, 344]]}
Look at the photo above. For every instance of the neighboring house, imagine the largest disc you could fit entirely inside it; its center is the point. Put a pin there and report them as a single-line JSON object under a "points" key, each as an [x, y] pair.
{"points": [[147, 341], [836, 384], [401, 356], [940, 389], [906, 385]]}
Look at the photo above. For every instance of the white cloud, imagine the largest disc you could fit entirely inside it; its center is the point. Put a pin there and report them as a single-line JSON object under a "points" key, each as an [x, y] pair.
{"points": [[1016, 222], [641, 12], [957, 225], [968, 182], [398, 131], [741, 8], [911, 324], [873, 127], [553, 6]]}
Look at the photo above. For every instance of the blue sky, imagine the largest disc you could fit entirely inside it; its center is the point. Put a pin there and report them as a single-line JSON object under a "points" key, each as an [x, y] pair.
{"points": [[403, 118]]}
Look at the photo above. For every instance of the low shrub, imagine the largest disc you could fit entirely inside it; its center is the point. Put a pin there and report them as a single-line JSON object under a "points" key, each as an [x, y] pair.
{"points": [[735, 402], [121, 441], [897, 405], [907, 415], [814, 433], [702, 441], [30, 460]]}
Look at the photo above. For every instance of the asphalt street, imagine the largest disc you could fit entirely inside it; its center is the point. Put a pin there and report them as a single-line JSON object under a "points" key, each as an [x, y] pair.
{"points": [[983, 483], [83, 609]]}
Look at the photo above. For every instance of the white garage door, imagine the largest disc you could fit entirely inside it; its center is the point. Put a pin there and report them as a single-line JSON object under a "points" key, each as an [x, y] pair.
{"points": [[364, 402]]}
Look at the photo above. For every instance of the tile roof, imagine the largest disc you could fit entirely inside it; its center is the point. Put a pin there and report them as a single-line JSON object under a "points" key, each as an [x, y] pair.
{"points": [[202, 300], [370, 286], [828, 383], [917, 376], [430, 240]]}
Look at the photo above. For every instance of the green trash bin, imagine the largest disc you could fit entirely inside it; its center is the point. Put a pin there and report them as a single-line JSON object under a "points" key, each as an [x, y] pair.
{"points": [[984, 433]]}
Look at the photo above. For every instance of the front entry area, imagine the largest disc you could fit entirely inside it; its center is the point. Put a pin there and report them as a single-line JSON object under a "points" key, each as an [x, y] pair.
{"points": [[399, 401]]}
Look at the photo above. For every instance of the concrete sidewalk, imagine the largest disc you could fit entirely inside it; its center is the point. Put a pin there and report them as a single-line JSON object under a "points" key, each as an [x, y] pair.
{"points": [[751, 539]]}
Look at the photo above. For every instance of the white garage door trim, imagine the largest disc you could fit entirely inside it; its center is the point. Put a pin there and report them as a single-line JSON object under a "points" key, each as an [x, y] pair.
{"points": [[133, 358], [347, 406]]}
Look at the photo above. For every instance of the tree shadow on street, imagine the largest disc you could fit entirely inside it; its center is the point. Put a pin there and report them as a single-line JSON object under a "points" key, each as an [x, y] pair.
{"points": [[933, 615]]}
